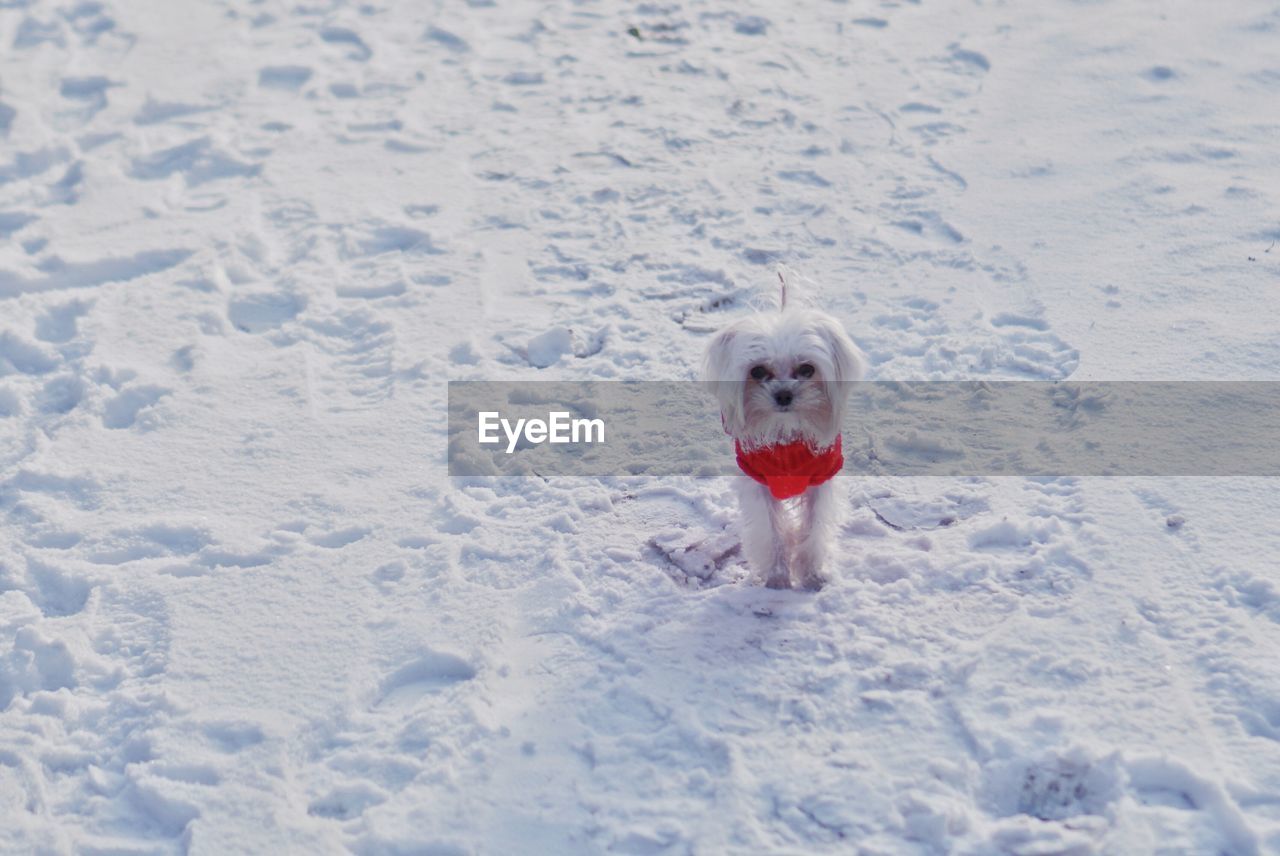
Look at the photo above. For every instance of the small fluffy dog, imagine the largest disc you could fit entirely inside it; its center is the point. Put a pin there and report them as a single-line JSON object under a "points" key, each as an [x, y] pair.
{"points": [[781, 379]]}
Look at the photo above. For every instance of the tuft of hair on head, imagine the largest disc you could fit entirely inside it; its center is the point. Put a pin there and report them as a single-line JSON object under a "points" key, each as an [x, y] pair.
{"points": [[793, 288]]}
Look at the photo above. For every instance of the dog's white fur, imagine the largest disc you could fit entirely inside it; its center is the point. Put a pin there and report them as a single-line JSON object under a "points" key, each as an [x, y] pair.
{"points": [[789, 539]]}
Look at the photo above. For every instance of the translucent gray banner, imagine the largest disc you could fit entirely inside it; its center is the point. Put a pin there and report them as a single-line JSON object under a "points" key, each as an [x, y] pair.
{"points": [[943, 428]]}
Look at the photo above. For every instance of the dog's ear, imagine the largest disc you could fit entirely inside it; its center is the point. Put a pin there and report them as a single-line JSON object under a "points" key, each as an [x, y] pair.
{"points": [[721, 373], [716, 358], [847, 360], [846, 366]]}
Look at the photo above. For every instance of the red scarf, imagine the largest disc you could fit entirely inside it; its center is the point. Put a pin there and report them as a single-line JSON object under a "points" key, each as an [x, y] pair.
{"points": [[789, 469]]}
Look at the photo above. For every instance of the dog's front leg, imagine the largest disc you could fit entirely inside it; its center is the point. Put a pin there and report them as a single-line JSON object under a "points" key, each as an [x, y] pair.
{"points": [[763, 533], [819, 516]]}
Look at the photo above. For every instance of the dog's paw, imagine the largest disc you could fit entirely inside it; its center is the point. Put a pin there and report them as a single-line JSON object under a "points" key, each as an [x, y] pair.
{"points": [[778, 580], [807, 568], [812, 581]]}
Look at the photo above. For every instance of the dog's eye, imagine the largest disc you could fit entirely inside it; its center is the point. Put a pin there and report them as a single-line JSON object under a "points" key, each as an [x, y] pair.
{"points": [[804, 370], [759, 372]]}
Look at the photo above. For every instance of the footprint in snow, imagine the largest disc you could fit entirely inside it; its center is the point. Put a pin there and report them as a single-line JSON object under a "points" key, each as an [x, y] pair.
{"points": [[57, 593], [60, 395], [430, 673], [694, 561], [151, 541], [347, 802], [351, 366], [968, 62], [58, 324], [288, 78], [262, 312], [233, 736], [89, 92], [339, 537], [131, 405], [358, 50], [1057, 787], [447, 39], [198, 161]]}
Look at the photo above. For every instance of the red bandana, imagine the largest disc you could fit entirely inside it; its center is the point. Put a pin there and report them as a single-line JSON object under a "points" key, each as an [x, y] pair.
{"points": [[790, 469]]}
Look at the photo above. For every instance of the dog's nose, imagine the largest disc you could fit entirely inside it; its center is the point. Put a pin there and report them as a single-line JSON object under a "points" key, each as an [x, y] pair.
{"points": [[782, 397]]}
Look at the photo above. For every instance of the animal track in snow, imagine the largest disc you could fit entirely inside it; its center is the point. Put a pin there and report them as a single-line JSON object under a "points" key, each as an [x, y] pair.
{"points": [[1069, 798], [1055, 788]]}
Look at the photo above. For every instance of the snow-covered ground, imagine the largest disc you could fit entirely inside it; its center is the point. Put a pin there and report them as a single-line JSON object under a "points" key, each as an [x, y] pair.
{"points": [[244, 245]]}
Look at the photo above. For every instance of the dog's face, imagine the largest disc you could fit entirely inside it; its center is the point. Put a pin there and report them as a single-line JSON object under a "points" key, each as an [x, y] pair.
{"points": [[782, 377], [785, 395]]}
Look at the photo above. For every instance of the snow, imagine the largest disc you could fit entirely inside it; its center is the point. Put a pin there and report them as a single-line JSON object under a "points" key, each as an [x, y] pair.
{"points": [[244, 245]]}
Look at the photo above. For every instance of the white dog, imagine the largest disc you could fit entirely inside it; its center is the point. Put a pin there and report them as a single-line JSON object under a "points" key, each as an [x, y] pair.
{"points": [[782, 382]]}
